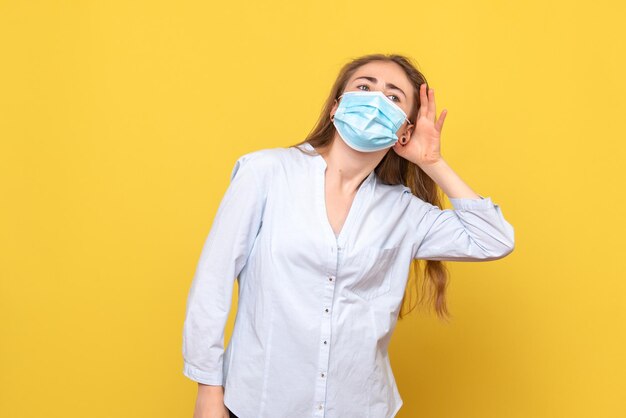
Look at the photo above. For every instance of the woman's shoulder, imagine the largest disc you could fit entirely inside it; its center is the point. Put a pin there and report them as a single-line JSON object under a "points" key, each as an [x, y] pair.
{"points": [[272, 158], [394, 191], [262, 159]]}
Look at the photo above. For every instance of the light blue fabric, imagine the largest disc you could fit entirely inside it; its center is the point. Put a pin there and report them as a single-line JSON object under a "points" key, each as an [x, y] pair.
{"points": [[316, 311], [368, 120]]}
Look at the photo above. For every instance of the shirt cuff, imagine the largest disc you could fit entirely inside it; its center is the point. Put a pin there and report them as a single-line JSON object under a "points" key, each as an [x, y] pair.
{"points": [[466, 203], [202, 377]]}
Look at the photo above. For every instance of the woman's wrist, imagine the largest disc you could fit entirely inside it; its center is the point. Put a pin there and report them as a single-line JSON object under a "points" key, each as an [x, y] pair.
{"points": [[210, 390]]}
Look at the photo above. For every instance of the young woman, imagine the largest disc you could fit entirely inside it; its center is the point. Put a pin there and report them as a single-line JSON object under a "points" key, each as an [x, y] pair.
{"points": [[321, 236]]}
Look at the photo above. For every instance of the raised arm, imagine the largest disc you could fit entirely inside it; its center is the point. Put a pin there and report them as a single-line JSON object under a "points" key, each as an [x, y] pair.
{"points": [[474, 230], [224, 254]]}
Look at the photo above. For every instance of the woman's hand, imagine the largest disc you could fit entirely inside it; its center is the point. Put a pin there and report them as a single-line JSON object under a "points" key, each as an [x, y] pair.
{"points": [[424, 148], [210, 402]]}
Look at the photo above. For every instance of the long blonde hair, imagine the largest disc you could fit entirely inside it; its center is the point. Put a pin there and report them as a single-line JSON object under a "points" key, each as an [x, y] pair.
{"points": [[394, 169]]}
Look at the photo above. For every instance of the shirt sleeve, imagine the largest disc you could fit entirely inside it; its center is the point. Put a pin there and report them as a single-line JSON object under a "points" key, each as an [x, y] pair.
{"points": [[235, 226], [474, 230]]}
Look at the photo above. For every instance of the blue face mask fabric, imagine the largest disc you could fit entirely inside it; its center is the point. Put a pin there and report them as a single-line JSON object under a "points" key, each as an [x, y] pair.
{"points": [[367, 121]]}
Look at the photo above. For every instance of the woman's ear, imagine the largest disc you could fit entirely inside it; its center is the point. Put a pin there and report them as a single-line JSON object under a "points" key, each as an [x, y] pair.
{"points": [[409, 130], [333, 110]]}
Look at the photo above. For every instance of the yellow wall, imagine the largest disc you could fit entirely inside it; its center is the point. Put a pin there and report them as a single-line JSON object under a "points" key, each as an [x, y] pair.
{"points": [[120, 122]]}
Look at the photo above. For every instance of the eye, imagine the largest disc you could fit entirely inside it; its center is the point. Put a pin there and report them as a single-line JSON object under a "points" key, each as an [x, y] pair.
{"points": [[395, 98]]}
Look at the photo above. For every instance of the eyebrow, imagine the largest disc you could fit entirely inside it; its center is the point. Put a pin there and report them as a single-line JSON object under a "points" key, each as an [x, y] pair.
{"points": [[388, 85]]}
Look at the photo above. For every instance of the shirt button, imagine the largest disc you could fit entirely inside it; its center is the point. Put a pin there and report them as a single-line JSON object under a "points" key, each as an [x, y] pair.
{"points": [[331, 278], [325, 342], [322, 374], [320, 407], [326, 309]]}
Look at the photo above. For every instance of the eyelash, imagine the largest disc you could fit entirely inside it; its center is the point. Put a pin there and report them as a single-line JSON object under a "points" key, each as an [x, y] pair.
{"points": [[365, 85]]}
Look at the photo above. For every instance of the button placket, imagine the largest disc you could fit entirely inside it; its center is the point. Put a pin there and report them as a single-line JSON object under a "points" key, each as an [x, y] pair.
{"points": [[336, 246], [325, 335]]}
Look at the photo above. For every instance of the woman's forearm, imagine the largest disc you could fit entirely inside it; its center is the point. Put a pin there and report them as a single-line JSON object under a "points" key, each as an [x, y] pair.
{"points": [[449, 181]]}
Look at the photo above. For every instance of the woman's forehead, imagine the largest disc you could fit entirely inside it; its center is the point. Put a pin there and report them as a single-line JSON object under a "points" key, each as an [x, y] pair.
{"points": [[390, 72]]}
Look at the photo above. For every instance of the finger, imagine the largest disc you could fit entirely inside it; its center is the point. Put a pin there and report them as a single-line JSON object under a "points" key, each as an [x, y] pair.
{"points": [[442, 117], [432, 112], [423, 101]]}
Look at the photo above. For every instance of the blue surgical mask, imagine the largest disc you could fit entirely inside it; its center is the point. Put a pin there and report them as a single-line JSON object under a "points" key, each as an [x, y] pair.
{"points": [[368, 120]]}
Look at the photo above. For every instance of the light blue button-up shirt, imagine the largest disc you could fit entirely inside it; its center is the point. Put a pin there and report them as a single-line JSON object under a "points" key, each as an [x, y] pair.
{"points": [[316, 311]]}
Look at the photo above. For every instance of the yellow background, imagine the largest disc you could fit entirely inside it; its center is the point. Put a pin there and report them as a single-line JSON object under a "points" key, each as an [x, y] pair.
{"points": [[120, 122]]}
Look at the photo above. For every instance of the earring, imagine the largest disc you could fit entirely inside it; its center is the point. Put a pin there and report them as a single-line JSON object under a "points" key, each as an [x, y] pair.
{"points": [[332, 118]]}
